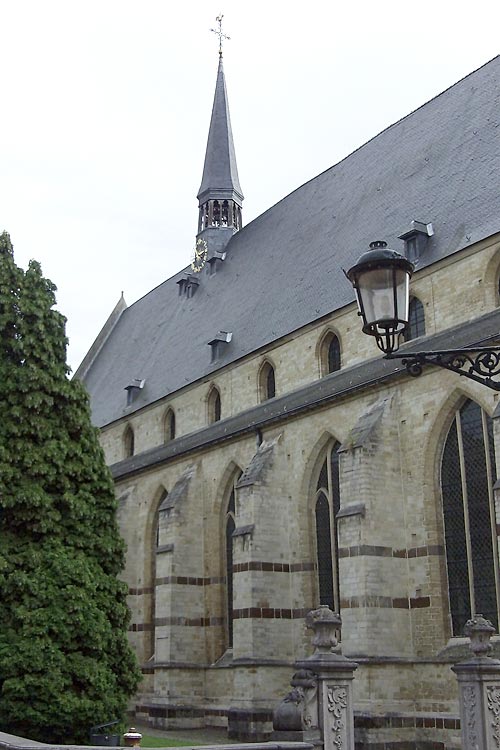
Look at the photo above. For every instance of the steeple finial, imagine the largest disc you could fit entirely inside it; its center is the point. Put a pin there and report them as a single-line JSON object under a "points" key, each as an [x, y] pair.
{"points": [[219, 197], [220, 33]]}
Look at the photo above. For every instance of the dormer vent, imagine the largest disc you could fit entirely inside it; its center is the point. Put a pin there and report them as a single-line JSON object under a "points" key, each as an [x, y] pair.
{"points": [[219, 343], [215, 262], [416, 239], [133, 389], [188, 285]]}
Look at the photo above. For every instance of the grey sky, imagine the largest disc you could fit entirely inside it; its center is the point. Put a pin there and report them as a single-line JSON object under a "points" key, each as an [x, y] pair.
{"points": [[106, 107]]}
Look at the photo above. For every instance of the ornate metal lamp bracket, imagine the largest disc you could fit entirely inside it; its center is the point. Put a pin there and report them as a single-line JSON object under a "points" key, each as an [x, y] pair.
{"points": [[479, 364]]}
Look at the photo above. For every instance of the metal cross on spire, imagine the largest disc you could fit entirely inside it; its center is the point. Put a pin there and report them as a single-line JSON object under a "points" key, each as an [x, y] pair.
{"points": [[220, 33]]}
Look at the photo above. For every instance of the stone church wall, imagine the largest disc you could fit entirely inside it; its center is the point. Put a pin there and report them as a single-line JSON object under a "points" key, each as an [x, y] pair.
{"points": [[392, 568]]}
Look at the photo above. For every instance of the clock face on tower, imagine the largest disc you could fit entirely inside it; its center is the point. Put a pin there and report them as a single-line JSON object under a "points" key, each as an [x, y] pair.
{"points": [[200, 255]]}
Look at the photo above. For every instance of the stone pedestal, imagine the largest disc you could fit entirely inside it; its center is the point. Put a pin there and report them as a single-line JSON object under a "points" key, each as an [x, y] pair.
{"points": [[479, 690], [321, 702]]}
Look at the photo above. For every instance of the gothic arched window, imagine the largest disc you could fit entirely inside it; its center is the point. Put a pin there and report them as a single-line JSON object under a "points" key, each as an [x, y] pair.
{"points": [[267, 382], [326, 507], [169, 426], [162, 511], [416, 320], [230, 526], [155, 544], [214, 405], [128, 442], [467, 476], [329, 354]]}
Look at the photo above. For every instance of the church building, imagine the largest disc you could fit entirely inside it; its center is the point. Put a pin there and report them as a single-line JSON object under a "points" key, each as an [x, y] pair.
{"points": [[267, 458]]}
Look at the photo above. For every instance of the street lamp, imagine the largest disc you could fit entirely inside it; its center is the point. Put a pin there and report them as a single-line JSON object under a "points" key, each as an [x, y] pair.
{"points": [[381, 280]]}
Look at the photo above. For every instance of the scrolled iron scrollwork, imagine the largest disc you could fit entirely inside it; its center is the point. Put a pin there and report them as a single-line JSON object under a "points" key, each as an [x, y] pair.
{"points": [[480, 364], [413, 367], [488, 363]]}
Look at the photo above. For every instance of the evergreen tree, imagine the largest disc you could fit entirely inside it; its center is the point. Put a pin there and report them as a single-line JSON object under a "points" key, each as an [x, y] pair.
{"points": [[65, 663]]}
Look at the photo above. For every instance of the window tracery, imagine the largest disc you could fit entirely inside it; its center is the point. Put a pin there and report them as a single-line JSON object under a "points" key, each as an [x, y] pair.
{"points": [[467, 475], [326, 508]]}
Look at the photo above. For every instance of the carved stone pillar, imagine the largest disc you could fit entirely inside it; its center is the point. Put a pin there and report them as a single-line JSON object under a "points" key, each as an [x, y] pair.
{"points": [[479, 688], [330, 705]]}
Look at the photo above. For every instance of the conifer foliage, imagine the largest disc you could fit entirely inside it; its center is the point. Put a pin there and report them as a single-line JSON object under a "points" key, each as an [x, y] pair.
{"points": [[65, 663]]}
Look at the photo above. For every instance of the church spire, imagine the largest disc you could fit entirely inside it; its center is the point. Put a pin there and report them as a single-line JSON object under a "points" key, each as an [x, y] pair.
{"points": [[220, 197]]}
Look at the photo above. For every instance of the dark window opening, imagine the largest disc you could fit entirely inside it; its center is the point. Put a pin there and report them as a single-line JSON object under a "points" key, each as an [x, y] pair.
{"points": [[334, 355], [416, 320], [467, 475], [169, 426], [267, 384], [230, 527], [325, 511], [270, 384], [330, 354], [164, 496], [128, 442], [324, 551], [229, 578], [214, 406], [216, 214]]}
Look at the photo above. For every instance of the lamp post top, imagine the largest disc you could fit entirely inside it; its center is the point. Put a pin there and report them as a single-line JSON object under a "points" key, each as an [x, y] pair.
{"points": [[379, 256]]}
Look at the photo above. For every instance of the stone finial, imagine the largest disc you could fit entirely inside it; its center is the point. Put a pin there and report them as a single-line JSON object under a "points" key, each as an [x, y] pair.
{"points": [[325, 624], [479, 630]]}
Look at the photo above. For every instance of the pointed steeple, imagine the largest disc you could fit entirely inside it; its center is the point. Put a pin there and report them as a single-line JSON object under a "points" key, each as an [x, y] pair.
{"points": [[220, 196]]}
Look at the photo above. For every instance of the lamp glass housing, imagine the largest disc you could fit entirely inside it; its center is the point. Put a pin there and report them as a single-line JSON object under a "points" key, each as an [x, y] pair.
{"points": [[385, 298], [381, 280]]}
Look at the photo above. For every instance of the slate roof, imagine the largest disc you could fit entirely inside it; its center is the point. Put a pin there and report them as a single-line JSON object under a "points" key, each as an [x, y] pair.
{"points": [[439, 164], [220, 173]]}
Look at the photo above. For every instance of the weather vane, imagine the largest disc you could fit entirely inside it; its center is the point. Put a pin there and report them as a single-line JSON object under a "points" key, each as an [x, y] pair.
{"points": [[220, 33]]}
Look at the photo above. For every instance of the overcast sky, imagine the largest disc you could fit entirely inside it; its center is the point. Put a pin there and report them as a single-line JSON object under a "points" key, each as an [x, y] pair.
{"points": [[106, 106]]}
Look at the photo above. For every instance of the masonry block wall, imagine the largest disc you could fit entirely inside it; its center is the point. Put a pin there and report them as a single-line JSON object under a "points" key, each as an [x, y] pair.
{"points": [[391, 547]]}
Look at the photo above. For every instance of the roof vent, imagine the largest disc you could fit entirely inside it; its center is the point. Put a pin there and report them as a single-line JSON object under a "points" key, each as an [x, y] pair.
{"points": [[133, 389], [416, 239], [188, 284], [218, 344], [215, 262]]}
